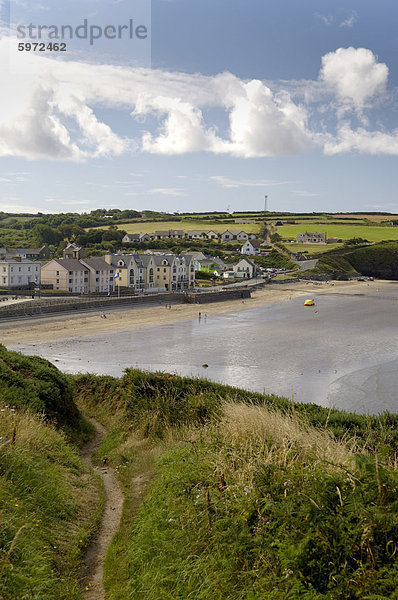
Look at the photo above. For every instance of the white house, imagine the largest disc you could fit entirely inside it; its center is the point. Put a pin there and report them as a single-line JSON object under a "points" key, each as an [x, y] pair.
{"points": [[19, 273], [251, 247], [245, 269]]}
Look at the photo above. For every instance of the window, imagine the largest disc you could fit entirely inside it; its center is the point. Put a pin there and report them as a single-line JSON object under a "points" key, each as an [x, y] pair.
{"points": [[57, 273], [57, 280]]}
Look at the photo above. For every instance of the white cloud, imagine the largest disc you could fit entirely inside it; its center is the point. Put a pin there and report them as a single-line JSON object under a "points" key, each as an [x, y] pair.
{"points": [[350, 20], [264, 124], [354, 75], [326, 19], [363, 141], [226, 182], [168, 191], [50, 110], [305, 194]]}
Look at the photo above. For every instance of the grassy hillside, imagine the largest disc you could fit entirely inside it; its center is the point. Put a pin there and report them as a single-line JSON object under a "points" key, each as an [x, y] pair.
{"points": [[378, 260], [248, 496], [50, 501], [35, 383], [371, 232]]}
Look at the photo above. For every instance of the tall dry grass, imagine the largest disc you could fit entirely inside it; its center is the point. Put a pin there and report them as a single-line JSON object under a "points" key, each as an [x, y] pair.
{"points": [[256, 434]]}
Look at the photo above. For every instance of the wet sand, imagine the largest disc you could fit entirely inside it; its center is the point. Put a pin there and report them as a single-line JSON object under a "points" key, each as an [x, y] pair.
{"points": [[343, 352], [63, 326]]}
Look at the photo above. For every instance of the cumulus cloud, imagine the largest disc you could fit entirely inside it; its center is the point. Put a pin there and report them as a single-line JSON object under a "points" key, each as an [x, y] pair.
{"points": [[50, 109], [363, 141], [44, 108], [264, 124], [354, 75]]}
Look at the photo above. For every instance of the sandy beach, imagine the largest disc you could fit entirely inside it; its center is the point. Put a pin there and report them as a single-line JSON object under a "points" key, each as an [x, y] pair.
{"points": [[64, 326]]}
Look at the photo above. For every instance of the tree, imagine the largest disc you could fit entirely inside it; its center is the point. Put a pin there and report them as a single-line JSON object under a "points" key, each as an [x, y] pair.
{"points": [[44, 234], [70, 232]]}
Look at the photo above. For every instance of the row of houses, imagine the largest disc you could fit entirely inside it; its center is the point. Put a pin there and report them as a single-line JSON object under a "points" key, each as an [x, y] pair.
{"points": [[138, 272], [195, 234], [152, 271]]}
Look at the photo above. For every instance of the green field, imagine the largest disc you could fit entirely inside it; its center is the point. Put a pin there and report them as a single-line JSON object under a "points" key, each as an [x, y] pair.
{"points": [[311, 248], [373, 233]]}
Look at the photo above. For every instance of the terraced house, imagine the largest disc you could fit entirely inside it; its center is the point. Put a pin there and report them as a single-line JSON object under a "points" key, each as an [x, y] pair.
{"points": [[174, 273], [141, 272], [79, 276]]}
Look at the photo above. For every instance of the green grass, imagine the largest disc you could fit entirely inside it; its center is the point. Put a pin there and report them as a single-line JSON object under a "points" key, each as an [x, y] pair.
{"points": [[50, 508], [246, 494], [378, 260], [311, 248], [36, 384], [373, 233], [50, 501], [227, 520]]}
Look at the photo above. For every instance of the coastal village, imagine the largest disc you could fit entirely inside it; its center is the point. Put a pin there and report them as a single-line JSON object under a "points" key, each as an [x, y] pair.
{"points": [[150, 271]]}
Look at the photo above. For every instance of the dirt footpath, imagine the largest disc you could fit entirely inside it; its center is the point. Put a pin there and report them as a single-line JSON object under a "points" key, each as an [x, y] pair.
{"points": [[95, 556]]}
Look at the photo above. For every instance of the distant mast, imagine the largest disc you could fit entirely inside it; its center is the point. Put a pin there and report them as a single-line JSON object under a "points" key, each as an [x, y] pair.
{"points": [[265, 203]]}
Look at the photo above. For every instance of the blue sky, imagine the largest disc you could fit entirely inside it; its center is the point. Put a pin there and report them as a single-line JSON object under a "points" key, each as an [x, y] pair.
{"points": [[223, 102]]}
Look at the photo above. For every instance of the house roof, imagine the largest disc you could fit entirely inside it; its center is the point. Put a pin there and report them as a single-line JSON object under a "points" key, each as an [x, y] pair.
{"points": [[24, 261], [99, 264], [145, 259], [246, 260], [254, 243], [133, 236], [28, 250], [159, 258], [69, 264]]}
